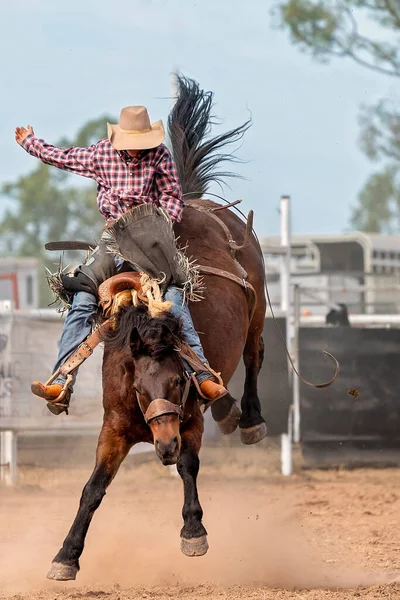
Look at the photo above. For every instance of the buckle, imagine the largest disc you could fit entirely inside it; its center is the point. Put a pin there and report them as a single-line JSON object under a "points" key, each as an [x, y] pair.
{"points": [[86, 349]]}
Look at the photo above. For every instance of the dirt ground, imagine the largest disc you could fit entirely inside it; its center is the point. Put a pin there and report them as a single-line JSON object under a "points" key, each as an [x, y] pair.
{"points": [[315, 535]]}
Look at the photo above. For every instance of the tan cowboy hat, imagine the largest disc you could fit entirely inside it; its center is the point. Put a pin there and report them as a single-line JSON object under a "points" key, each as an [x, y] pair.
{"points": [[134, 131]]}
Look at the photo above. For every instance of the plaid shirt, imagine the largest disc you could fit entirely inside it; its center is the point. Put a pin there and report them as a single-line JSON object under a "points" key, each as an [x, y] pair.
{"points": [[122, 181]]}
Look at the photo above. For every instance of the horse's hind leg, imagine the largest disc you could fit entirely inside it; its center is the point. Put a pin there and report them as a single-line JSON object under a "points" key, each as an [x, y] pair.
{"points": [[193, 533], [111, 451], [252, 426]]}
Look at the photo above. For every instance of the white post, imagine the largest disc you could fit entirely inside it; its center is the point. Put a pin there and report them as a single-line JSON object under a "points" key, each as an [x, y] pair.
{"points": [[286, 447], [285, 271], [296, 352], [8, 439], [8, 457], [286, 438], [285, 258]]}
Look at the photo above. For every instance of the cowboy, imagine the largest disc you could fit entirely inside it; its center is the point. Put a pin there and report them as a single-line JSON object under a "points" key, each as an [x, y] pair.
{"points": [[131, 166]]}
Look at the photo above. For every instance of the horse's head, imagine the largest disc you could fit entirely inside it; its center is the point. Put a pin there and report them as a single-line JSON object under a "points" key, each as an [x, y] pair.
{"points": [[158, 375], [159, 388]]}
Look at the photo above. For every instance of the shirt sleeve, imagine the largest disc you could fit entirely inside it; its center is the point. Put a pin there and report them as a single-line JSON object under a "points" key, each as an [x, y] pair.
{"points": [[169, 188], [75, 160]]}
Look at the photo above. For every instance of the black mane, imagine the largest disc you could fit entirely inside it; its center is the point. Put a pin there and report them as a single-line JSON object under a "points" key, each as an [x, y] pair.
{"points": [[155, 337], [189, 123]]}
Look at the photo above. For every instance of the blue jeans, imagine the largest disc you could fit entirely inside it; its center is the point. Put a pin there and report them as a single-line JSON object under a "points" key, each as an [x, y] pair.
{"points": [[78, 325]]}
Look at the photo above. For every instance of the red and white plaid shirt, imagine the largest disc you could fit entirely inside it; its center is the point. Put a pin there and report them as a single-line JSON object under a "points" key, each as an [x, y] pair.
{"points": [[122, 181]]}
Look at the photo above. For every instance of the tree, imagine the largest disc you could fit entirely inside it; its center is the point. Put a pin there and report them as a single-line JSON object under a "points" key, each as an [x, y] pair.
{"points": [[48, 204], [328, 29], [332, 28]]}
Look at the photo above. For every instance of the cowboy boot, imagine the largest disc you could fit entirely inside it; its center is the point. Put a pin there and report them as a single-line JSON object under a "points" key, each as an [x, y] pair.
{"points": [[212, 390], [52, 393]]}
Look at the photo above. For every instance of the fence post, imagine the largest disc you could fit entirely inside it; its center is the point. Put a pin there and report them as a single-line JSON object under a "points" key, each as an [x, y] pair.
{"points": [[8, 457], [286, 447], [296, 361], [285, 269], [286, 438], [8, 439]]}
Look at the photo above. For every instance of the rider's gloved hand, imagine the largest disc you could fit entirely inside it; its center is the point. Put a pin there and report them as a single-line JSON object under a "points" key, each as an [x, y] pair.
{"points": [[78, 283]]}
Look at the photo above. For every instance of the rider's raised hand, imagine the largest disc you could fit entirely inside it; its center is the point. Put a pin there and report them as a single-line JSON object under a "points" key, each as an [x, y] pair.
{"points": [[21, 133]]}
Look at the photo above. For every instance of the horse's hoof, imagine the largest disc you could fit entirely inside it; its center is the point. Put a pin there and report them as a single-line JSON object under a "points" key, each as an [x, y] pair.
{"points": [[253, 435], [194, 546], [229, 423], [61, 572]]}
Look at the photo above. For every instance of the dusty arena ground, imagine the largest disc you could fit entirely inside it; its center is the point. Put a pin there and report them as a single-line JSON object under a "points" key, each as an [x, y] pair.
{"points": [[319, 534]]}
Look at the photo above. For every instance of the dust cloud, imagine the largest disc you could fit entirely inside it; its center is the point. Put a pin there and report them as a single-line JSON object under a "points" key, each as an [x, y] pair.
{"points": [[258, 536]]}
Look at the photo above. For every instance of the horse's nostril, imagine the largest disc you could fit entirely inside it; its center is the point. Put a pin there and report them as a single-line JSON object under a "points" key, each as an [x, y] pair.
{"points": [[175, 440]]}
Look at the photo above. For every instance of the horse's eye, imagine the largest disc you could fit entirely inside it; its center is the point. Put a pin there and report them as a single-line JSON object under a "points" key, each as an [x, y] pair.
{"points": [[177, 382]]}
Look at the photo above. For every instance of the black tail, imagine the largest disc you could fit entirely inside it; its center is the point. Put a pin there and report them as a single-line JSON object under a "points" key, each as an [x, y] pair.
{"points": [[189, 123]]}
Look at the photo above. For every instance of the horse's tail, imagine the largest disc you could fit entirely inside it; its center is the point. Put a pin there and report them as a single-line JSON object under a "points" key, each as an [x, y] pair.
{"points": [[196, 157]]}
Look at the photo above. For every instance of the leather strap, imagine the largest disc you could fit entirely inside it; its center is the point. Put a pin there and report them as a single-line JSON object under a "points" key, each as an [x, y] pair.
{"points": [[227, 275], [85, 349], [224, 207], [160, 407], [186, 353], [68, 245], [225, 228], [242, 282], [234, 247]]}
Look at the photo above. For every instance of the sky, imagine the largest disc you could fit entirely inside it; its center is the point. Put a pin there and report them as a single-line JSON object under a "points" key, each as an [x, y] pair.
{"points": [[63, 63]]}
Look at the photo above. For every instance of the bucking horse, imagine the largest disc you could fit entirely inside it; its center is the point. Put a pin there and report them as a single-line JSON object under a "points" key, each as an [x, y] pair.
{"points": [[148, 395]]}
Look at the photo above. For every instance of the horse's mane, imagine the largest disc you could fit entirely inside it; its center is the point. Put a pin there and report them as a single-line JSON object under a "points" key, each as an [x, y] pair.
{"points": [[155, 337], [196, 157]]}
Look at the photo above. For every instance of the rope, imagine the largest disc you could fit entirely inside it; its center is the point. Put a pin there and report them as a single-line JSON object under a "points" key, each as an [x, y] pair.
{"points": [[337, 368], [151, 289]]}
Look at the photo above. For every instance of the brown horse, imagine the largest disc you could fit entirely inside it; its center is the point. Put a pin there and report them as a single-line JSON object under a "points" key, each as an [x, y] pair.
{"points": [[146, 395]]}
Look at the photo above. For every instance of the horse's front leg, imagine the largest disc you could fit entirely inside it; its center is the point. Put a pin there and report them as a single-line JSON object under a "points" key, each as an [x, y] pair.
{"points": [[193, 533], [111, 451]]}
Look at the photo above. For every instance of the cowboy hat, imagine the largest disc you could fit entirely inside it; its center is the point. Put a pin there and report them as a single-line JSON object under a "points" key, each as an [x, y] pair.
{"points": [[134, 130]]}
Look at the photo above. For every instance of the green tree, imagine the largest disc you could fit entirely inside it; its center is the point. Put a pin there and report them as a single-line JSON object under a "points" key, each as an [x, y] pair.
{"points": [[368, 33], [48, 204]]}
